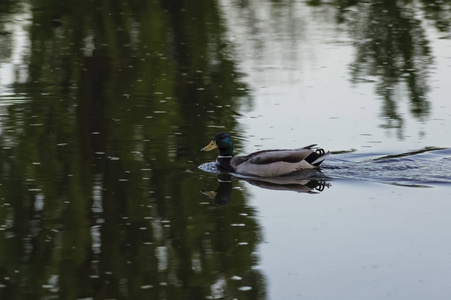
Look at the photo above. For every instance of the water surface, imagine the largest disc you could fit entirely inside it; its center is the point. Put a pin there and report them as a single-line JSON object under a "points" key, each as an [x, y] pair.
{"points": [[104, 107]]}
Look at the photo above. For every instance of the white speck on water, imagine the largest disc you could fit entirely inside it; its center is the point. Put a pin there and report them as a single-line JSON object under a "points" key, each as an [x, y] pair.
{"points": [[148, 286]]}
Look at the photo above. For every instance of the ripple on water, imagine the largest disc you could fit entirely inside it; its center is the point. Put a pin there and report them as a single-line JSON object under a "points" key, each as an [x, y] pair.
{"points": [[416, 168], [424, 167], [210, 167]]}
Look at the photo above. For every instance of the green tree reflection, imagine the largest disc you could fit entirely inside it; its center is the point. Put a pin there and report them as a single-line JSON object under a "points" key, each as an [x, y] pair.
{"points": [[440, 13], [98, 199], [391, 46]]}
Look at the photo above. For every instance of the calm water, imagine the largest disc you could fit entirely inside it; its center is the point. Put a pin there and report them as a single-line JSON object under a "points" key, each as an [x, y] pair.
{"points": [[104, 107]]}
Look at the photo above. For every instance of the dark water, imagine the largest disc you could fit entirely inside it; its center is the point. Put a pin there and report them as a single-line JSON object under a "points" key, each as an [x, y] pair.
{"points": [[104, 107]]}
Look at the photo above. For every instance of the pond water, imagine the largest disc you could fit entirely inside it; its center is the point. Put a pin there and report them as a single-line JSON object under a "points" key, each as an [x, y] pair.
{"points": [[104, 107]]}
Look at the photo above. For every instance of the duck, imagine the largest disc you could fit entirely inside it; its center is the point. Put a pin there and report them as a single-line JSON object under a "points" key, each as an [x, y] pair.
{"points": [[265, 163]]}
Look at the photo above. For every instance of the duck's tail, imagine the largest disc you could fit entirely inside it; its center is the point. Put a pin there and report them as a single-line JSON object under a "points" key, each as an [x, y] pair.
{"points": [[317, 157]]}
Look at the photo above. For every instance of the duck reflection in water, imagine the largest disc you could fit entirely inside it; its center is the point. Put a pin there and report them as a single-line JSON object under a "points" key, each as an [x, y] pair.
{"points": [[223, 194]]}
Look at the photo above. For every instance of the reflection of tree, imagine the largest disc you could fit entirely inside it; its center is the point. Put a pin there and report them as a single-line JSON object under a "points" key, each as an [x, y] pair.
{"points": [[5, 34], [439, 12], [5, 45], [95, 198], [391, 46]]}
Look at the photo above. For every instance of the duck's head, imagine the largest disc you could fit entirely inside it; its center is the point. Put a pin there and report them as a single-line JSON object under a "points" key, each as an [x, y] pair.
{"points": [[223, 142]]}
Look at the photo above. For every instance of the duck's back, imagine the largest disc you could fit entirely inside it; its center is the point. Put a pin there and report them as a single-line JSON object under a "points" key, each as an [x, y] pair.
{"points": [[270, 163]]}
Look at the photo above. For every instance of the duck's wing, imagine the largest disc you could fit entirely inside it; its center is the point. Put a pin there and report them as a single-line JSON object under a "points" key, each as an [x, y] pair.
{"points": [[269, 163], [272, 156]]}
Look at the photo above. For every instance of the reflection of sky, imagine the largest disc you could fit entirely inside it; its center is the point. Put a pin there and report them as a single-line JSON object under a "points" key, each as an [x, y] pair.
{"points": [[11, 68], [441, 89], [355, 240], [297, 63]]}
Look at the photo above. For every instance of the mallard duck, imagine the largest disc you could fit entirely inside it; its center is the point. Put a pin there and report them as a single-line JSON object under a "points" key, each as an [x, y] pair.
{"points": [[265, 163]]}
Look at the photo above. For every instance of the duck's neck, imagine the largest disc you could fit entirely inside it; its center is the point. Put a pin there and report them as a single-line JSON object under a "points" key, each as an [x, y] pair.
{"points": [[223, 161], [226, 153]]}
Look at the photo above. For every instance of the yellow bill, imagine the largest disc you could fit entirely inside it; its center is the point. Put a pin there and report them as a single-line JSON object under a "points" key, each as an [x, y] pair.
{"points": [[210, 194], [210, 146]]}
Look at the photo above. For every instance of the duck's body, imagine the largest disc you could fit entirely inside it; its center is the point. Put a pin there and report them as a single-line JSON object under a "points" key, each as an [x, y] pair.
{"points": [[265, 163]]}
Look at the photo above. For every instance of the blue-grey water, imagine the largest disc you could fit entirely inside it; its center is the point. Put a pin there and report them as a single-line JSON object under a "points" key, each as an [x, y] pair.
{"points": [[104, 107]]}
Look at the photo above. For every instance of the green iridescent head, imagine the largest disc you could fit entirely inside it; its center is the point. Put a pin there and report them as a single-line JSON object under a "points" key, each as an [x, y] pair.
{"points": [[223, 142]]}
